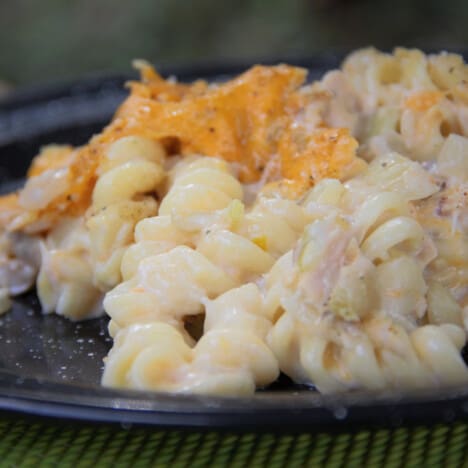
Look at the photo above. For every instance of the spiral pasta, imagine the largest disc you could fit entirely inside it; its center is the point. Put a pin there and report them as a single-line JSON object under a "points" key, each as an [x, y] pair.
{"points": [[166, 288], [231, 358], [405, 101], [203, 210], [65, 281], [379, 354], [131, 170], [445, 217], [359, 278], [200, 189], [202, 197]]}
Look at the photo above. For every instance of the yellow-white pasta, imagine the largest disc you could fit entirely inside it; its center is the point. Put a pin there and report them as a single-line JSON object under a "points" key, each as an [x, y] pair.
{"points": [[231, 358], [133, 168], [361, 261], [235, 254], [411, 102], [423, 131], [203, 209], [166, 288], [377, 355], [65, 281], [215, 286], [441, 306], [452, 160], [396, 173], [274, 224], [202, 185], [19, 266]]}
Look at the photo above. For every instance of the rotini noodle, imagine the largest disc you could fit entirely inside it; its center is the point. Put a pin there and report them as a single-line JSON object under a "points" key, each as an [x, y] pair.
{"points": [[231, 357], [64, 283], [132, 168]]}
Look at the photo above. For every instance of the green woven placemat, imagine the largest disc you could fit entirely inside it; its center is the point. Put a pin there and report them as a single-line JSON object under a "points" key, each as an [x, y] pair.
{"points": [[44, 444]]}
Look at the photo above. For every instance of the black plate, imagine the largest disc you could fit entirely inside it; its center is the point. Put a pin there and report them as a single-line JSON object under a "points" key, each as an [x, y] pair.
{"points": [[51, 367]]}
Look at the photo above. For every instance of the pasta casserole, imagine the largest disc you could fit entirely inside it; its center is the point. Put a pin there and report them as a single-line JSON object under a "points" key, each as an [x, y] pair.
{"points": [[232, 231]]}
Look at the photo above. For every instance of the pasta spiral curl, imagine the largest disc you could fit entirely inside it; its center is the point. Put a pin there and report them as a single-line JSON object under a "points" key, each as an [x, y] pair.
{"points": [[274, 223], [201, 205], [230, 359], [203, 210], [375, 354], [207, 201], [350, 302], [200, 191], [166, 288], [445, 216], [132, 170], [412, 101], [201, 245], [65, 281]]}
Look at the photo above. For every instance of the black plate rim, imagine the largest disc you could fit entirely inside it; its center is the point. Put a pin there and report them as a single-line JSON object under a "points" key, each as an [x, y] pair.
{"points": [[281, 411]]}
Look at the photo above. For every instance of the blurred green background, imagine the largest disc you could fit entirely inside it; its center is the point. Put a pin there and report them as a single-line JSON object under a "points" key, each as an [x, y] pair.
{"points": [[46, 40]]}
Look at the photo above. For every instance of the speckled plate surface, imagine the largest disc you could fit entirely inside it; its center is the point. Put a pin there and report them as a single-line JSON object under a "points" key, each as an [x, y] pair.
{"points": [[50, 367]]}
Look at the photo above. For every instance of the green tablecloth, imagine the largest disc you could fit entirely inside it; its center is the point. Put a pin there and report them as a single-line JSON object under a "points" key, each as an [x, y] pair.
{"points": [[44, 443]]}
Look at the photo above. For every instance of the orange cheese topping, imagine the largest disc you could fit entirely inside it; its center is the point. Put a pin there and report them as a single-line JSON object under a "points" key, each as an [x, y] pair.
{"points": [[308, 158], [240, 121], [251, 121]]}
